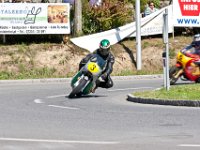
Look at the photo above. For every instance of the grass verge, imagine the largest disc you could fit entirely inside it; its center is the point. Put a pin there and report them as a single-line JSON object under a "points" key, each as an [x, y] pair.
{"points": [[177, 92], [30, 74]]}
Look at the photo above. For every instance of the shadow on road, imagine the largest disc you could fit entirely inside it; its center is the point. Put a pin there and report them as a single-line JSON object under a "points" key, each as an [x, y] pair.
{"points": [[85, 96]]}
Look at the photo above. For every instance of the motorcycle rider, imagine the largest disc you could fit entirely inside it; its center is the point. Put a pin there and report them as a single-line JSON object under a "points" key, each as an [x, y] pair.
{"points": [[104, 52], [193, 50]]}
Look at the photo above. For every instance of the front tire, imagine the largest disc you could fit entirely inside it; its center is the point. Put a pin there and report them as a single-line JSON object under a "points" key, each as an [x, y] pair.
{"points": [[198, 80], [77, 90], [173, 74]]}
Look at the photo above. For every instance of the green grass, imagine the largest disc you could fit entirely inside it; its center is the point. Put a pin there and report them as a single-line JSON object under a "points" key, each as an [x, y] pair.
{"points": [[176, 92], [139, 72], [29, 74]]}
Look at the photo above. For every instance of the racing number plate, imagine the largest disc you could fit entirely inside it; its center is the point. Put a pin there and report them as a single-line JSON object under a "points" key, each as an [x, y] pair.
{"points": [[180, 58], [93, 67]]}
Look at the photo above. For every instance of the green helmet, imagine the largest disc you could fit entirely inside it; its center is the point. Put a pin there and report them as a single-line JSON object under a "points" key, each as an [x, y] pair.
{"points": [[104, 47]]}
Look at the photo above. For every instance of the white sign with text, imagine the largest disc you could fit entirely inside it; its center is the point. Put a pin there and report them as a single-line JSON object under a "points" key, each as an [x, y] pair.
{"points": [[186, 13], [34, 18]]}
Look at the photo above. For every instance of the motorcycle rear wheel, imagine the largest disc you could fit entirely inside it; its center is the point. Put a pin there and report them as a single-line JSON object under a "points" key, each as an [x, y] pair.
{"points": [[77, 90], [172, 73]]}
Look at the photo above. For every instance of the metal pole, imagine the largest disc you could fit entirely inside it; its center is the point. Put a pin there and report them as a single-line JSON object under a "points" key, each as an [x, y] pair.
{"points": [[4, 36], [173, 25], [164, 67], [138, 35], [166, 42]]}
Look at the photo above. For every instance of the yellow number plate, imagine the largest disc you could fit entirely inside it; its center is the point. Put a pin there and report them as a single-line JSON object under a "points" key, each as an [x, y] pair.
{"points": [[180, 58], [93, 67]]}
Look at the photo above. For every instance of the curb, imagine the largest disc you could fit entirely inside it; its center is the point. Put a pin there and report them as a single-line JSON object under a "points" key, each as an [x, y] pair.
{"points": [[188, 103], [137, 77], [51, 80], [45, 80]]}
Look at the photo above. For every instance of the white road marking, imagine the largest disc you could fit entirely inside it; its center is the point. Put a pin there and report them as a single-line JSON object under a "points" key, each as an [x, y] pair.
{"points": [[56, 96], [58, 141], [38, 101], [130, 89], [64, 107], [189, 145]]}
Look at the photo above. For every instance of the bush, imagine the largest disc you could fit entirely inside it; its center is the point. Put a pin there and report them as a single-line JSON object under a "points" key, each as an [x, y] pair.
{"points": [[112, 14]]}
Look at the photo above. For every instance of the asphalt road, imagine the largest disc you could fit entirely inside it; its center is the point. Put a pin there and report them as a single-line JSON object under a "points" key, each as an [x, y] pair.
{"points": [[39, 116]]}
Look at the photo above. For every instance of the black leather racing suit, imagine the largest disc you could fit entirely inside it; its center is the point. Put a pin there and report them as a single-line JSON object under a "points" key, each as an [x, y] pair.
{"points": [[107, 83]]}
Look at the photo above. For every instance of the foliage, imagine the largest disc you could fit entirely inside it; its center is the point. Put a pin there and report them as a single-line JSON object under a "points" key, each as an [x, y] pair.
{"points": [[111, 14], [172, 53], [25, 73], [143, 3]]}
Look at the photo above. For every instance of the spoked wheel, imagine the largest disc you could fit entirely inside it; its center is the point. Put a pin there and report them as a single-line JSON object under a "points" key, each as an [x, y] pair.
{"points": [[174, 74], [77, 90]]}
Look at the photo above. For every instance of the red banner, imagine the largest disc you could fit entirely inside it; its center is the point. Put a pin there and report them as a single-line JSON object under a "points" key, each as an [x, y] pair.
{"points": [[189, 7]]}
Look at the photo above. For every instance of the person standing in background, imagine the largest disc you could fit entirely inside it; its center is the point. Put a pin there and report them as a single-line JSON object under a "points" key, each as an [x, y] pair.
{"points": [[150, 9]]}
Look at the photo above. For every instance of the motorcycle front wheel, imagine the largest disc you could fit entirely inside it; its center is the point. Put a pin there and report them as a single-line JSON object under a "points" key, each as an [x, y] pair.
{"points": [[77, 90], [173, 74]]}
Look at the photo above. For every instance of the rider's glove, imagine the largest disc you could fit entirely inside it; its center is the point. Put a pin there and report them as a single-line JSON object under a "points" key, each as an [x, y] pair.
{"points": [[104, 76]]}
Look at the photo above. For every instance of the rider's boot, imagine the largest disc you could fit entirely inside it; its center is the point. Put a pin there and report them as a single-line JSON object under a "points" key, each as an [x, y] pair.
{"points": [[183, 78], [96, 86]]}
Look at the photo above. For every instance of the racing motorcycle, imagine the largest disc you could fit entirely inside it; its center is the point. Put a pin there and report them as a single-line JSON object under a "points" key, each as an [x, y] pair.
{"points": [[186, 68], [84, 81]]}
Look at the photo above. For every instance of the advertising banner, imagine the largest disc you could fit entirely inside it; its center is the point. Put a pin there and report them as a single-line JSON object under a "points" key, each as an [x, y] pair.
{"points": [[34, 18], [186, 13]]}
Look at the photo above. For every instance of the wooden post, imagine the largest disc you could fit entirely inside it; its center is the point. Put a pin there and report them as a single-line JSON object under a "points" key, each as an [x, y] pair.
{"points": [[78, 18]]}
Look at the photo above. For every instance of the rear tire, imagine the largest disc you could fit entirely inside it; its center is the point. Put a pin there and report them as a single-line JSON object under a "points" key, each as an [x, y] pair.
{"points": [[198, 80], [172, 73], [77, 90]]}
